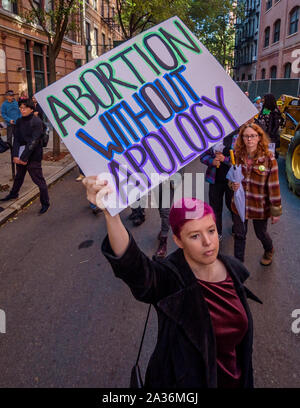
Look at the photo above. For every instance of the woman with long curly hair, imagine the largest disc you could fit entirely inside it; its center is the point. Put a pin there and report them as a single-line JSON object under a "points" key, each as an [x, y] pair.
{"points": [[262, 191]]}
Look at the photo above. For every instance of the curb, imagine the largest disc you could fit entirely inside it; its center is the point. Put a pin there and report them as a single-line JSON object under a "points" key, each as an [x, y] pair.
{"points": [[34, 192]]}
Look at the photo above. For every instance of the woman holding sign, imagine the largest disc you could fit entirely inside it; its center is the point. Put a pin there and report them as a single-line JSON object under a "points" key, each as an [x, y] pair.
{"points": [[262, 191], [205, 326]]}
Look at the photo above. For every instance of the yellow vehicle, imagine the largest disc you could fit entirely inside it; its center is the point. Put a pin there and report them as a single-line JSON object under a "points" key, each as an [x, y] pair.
{"points": [[289, 106]]}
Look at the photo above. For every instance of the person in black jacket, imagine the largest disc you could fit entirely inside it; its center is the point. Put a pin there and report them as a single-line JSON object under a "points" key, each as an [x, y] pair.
{"points": [[38, 111], [270, 119], [205, 328], [28, 154]]}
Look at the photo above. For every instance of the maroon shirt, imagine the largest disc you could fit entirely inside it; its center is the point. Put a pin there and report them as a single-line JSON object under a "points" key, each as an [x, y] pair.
{"points": [[230, 323]]}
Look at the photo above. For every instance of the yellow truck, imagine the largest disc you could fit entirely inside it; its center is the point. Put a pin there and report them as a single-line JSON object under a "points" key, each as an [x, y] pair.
{"points": [[289, 107]]}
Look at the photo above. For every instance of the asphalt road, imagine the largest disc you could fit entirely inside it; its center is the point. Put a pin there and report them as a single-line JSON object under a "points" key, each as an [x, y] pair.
{"points": [[71, 323]]}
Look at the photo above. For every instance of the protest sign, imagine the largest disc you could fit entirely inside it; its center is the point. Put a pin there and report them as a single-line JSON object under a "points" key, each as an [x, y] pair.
{"points": [[148, 107]]}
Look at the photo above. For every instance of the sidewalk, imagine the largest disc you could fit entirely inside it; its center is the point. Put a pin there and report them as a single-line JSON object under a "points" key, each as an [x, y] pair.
{"points": [[52, 172]]}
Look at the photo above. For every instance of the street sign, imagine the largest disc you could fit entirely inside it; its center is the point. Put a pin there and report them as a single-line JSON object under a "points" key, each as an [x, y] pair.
{"points": [[145, 108], [78, 52]]}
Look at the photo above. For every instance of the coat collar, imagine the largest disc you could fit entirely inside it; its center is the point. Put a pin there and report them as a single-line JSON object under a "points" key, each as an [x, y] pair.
{"points": [[188, 308]]}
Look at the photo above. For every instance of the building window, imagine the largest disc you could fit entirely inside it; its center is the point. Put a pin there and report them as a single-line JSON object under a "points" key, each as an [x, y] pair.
{"points": [[103, 43], [267, 37], [250, 77], [268, 4], [273, 72], [88, 33], [276, 31], [102, 8], [263, 74], [243, 77], [287, 70], [94, 4], [96, 40], [294, 19], [10, 5], [28, 67], [40, 70]]}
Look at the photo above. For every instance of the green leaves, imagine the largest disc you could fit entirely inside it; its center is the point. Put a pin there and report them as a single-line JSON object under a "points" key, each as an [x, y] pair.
{"points": [[139, 15], [216, 29]]}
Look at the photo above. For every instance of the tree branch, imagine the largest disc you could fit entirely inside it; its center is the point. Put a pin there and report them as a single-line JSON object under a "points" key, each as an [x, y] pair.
{"points": [[41, 20], [119, 5]]}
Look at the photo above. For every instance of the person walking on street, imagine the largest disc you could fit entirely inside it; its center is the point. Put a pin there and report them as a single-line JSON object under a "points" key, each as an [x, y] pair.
{"points": [[38, 111], [205, 328], [23, 98], [164, 196], [261, 187], [270, 119], [218, 164], [28, 154], [10, 112], [257, 103]]}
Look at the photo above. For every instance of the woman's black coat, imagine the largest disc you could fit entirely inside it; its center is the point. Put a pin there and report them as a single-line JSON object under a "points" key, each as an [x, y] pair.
{"points": [[185, 353]]}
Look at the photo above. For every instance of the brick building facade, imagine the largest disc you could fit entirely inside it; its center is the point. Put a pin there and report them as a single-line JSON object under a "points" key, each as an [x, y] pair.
{"points": [[23, 47], [279, 37]]}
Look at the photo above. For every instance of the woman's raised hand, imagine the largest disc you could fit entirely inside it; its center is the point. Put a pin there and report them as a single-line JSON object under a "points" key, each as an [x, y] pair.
{"points": [[96, 190]]}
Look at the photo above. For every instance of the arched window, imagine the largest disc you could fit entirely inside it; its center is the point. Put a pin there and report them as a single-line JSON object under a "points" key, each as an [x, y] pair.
{"points": [[263, 74], [267, 37], [276, 31], [287, 70], [10, 5], [273, 72], [294, 19]]}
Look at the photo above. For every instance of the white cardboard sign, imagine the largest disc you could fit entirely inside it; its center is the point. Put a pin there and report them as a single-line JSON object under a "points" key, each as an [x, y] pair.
{"points": [[149, 106]]}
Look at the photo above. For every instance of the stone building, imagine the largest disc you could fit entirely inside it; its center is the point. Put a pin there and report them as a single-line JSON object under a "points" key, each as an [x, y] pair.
{"points": [[279, 39], [24, 50]]}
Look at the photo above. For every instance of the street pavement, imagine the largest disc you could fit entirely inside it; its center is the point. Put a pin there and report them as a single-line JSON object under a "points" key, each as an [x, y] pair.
{"points": [[71, 323]]}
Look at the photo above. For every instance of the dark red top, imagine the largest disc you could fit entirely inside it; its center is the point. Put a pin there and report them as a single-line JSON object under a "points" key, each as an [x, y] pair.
{"points": [[230, 323]]}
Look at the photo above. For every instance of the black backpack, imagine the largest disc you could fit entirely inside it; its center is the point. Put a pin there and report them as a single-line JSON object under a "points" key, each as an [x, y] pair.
{"points": [[44, 135]]}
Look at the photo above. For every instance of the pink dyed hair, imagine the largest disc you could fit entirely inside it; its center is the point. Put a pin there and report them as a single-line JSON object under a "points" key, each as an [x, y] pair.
{"points": [[187, 209]]}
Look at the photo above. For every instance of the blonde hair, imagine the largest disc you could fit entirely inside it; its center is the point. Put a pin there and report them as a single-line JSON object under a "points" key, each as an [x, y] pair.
{"points": [[240, 149]]}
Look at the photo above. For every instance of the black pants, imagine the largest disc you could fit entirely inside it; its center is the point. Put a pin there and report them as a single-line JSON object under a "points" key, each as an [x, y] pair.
{"points": [[35, 171], [10, 133], [240, 229], [216, 195]]}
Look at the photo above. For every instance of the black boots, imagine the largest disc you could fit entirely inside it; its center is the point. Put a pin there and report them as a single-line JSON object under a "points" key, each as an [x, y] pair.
{"points": [[9, 197], [137, 216], [44, 208]]}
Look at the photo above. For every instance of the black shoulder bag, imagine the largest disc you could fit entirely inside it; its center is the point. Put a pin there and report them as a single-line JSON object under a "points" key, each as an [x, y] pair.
{"points": [[44, 135], [136, 380]]}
